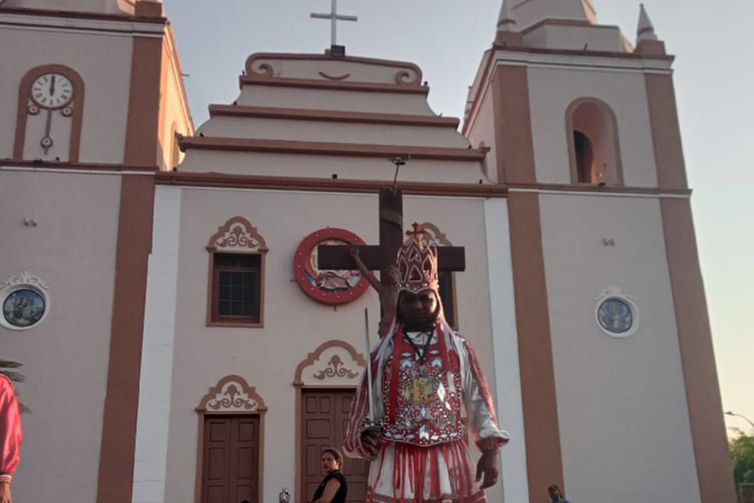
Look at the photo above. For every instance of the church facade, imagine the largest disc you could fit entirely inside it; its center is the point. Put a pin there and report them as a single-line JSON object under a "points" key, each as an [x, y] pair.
{"points": [[180, 342]]}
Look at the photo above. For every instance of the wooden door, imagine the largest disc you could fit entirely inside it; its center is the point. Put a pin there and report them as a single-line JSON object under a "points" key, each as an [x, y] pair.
{"points": [[324, 421], [230, 463]]}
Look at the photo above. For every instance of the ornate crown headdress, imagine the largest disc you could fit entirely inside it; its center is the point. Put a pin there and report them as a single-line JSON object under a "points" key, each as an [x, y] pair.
{"points": [[417, 262]]}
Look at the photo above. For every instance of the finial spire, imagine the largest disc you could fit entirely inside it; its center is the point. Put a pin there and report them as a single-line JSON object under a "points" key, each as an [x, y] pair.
{"points": [[334, 17], [645, 30], [505, 21]]}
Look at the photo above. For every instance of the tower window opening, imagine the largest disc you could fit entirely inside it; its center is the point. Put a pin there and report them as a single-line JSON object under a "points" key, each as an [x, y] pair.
{"points": [[584, 158], [593, 137]]}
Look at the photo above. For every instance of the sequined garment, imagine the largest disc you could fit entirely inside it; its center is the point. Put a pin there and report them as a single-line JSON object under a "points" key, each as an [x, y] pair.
{"points": [[423, 391], [429, 411]]}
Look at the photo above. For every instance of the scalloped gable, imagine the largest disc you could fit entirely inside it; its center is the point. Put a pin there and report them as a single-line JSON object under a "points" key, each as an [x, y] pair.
{"points": [[327, 68], [322, 116]]}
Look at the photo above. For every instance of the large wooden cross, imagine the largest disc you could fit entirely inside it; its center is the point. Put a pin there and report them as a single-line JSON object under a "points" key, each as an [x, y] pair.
{"points": [[378, 257]]}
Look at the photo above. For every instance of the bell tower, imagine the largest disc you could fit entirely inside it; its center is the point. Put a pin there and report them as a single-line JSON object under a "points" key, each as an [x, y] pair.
{"points": [[90, 81], [617, 367], [91, 103]]}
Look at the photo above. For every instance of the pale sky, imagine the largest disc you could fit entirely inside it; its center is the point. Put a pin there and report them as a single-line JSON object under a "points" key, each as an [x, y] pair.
{"points": [[714, 81]]}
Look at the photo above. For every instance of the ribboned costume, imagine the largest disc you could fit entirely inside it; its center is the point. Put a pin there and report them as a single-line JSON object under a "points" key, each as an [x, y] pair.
{"points": [[430, 400], [10, 430]]}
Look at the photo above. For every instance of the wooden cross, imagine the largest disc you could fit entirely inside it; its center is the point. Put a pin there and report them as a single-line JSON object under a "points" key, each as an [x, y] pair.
{"points": [[379, 257], [334, 17]]}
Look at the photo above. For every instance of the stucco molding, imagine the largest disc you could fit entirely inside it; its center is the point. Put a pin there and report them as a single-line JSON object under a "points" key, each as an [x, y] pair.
{"points": [[232, 394], [361, 150], [406, 75], [237, 233], [333, 362]]}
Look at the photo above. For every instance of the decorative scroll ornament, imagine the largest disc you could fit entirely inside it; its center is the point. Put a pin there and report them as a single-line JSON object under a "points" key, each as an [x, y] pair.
{"points": [[25, 301], [332, 363], [335, 369], [24, 278], [238, 234], [232, 394]]}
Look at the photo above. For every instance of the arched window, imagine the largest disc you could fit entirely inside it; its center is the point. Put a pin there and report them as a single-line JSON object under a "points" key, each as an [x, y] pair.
{"points": [[236, 275], [593, 143]]}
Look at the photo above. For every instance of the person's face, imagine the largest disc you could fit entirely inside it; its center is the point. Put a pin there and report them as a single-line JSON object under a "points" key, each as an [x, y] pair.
{"points": [[329, 463], [418, 311], [392, 276], [554, 493]]}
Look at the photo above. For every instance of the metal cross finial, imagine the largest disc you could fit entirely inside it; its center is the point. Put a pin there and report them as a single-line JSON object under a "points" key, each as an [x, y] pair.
{"points": [[334, 17]]}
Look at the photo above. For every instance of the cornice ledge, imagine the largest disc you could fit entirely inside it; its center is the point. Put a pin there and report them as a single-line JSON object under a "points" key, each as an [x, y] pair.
{"points": [[83, 15], [333, 116], [222, 180], [331, 149], [263, 80]]}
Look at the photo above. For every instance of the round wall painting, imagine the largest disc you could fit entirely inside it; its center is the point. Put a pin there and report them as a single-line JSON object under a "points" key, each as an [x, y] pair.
{"points": [[327, 286], [24, 300]]}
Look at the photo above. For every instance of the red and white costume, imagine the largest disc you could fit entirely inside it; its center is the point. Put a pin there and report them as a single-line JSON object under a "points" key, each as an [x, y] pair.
{"points": [[10, 430], [429, 404]]}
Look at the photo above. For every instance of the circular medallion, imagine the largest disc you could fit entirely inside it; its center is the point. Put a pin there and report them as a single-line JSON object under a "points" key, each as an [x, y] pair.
{"points": [[616, 313], [24, 308], [327, 286]]}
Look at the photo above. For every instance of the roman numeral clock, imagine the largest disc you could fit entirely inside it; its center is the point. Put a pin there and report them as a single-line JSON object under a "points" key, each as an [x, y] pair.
{"points": [[49, 123], [51, 92]]}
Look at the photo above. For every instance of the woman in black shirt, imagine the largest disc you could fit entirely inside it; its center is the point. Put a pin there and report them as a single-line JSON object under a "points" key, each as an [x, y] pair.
{"points": [[333, 488]]}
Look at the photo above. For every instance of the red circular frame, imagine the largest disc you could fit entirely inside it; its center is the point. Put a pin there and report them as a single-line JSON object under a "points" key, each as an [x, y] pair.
{"points": [[304, 273]]}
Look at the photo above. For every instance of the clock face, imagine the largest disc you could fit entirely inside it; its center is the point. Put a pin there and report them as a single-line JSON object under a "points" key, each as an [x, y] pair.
{"points": [[52, 90]]}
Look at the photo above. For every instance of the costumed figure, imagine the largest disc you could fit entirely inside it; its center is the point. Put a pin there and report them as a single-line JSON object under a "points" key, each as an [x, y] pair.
{"points": [[430, 399], [10, 437]]}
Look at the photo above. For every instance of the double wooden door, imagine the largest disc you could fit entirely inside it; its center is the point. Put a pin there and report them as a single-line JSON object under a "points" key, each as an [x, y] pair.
{"points": [[230, 468], [324, 420]]}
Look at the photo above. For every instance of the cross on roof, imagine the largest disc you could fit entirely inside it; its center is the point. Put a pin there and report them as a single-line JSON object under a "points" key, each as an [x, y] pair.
{"points": [[449, 258], [334, 17]]}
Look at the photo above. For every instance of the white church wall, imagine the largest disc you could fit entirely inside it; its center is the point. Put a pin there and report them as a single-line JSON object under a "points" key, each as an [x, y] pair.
{"points": [[575, 38], [336, 132], [551, 91], [324, 99], [322, 166], [623, 415], [104, 62], [507, 375], [72, 249], [483, 132], [153, 422], [294, 325], [175, 117]]}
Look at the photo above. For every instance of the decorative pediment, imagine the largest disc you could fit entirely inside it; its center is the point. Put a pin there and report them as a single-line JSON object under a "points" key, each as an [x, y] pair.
{"points": [[334, 363], [318, 67], [232, 395], [237, 234]]}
